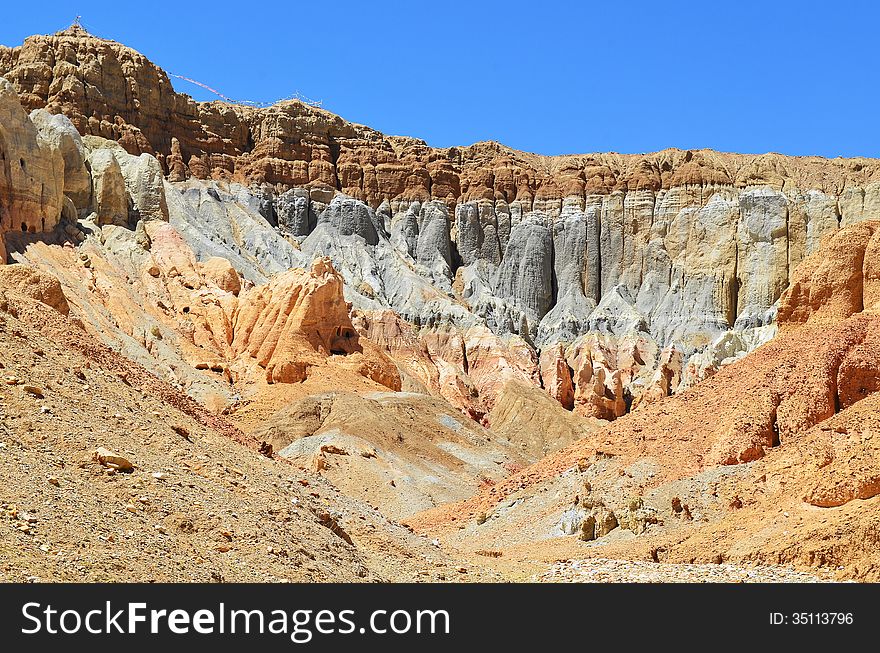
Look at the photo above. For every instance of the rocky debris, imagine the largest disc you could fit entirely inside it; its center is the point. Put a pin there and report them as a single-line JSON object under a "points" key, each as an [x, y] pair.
{"points": [[606, 521], [326, 519], [603, 570], [165, 522], [182, 431], [23, 522], [637, 516], [34, 390], [588, 528], [401, 451], [142, 238], [590, 520]]}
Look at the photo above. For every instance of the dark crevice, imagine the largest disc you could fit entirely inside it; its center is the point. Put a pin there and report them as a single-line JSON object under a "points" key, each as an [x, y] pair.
{"points": [[774, 427], [554, 280], [735, 284], [464, 361]]}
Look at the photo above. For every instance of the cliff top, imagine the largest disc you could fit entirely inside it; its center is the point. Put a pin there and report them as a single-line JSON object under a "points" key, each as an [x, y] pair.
{"points": [[110, 90]]}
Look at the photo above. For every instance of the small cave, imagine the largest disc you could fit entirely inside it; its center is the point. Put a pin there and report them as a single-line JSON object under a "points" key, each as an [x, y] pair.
{"points": [[344, 342], [23, 167]]}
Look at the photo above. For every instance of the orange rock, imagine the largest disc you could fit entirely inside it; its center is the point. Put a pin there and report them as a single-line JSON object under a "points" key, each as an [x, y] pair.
{"points": [[297, 312], [221, 273], [829, 286], [27, 281], [556, 376]]}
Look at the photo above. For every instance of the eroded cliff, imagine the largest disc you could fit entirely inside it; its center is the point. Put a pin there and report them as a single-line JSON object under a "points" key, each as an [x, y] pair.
{"points": [[623, 277]]}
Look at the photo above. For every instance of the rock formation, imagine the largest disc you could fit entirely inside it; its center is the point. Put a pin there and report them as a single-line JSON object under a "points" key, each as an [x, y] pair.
{"points": [[29, 282], [606, 257], [31, 171], [293, 313]]}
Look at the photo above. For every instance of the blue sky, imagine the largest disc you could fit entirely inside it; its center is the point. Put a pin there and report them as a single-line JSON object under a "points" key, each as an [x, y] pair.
{"points": [[543, 76]]}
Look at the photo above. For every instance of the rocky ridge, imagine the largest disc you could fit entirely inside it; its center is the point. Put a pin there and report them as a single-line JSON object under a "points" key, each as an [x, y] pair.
{"points": [[672, 259]]}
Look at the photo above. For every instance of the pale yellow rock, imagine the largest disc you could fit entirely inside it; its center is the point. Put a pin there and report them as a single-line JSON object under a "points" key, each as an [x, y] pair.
{"points": [[113, 460]]}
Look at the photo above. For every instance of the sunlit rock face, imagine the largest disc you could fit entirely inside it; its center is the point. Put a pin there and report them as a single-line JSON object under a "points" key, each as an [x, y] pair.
{"points": [[596, 277]]}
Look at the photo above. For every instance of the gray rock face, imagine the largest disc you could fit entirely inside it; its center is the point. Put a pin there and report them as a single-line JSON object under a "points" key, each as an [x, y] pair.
{"points": [[293, 214], [144, 182], [762, 238], [433, 246], [58, 133], [525, 276], [109, 197], [421, 233], [576, 271], [141, 193], [469, 232], [617, 279], [405, 231], [215, 223], [477, 233], [350, 217]]}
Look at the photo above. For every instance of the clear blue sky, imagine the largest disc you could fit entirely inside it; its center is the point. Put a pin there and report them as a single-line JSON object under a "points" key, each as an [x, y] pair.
{"points": [[542, 76]]}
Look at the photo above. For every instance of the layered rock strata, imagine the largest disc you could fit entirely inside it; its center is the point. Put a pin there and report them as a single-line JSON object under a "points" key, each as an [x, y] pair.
{"points": [[607, 258]]}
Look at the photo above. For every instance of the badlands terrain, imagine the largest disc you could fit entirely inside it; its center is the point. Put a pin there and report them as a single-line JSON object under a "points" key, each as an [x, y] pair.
{"points": [[267, 344]]}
